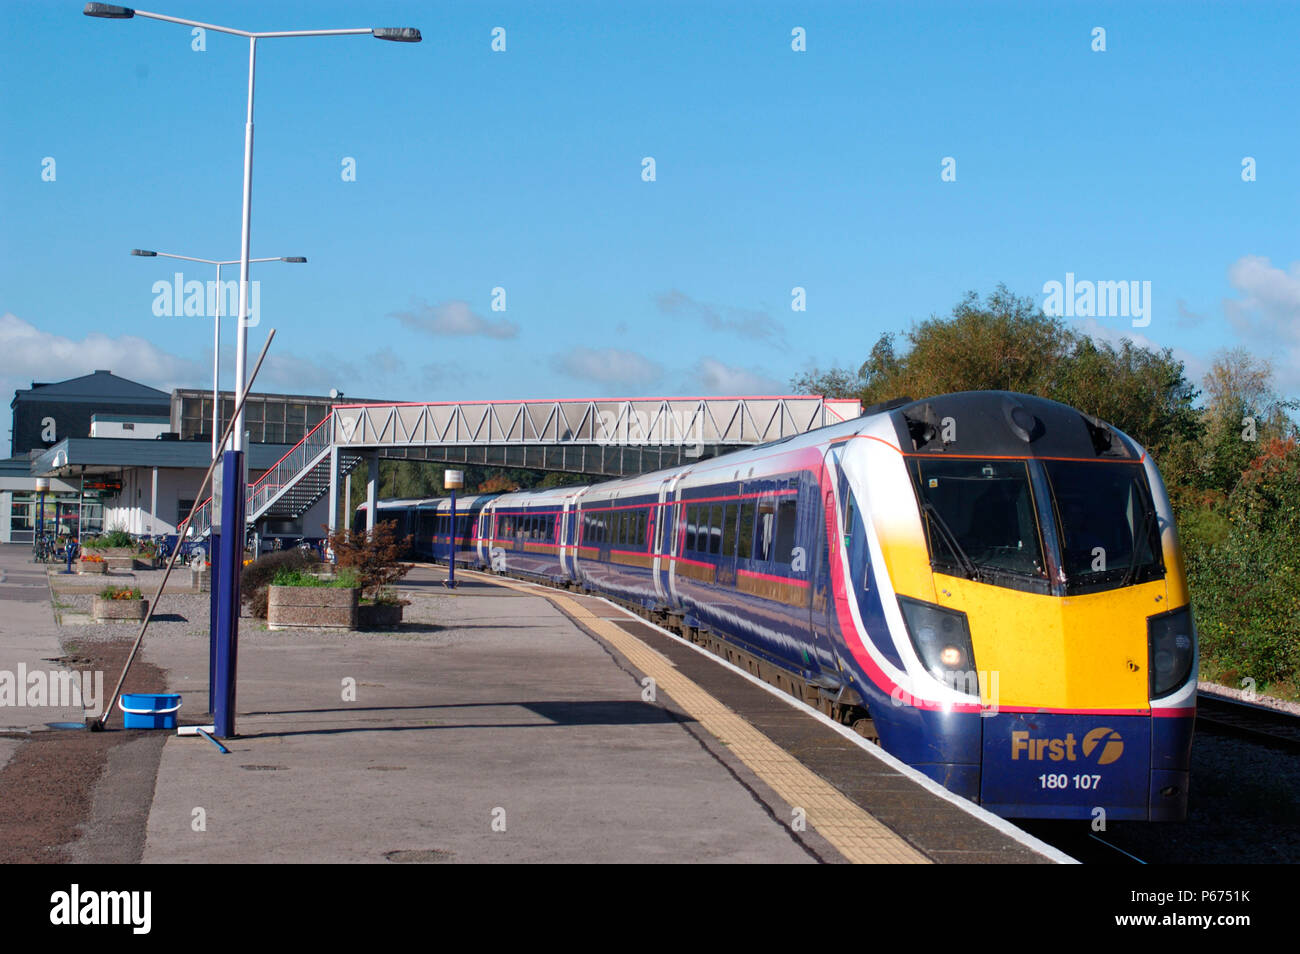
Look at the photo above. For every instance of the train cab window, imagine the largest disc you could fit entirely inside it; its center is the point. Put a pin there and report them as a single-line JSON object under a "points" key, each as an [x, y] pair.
{"points": [[786, 524], [766, 530], [715, 530], [745, 534], [981, 520]]}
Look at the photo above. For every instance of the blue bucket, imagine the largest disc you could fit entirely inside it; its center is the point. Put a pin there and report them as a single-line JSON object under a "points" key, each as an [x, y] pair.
{"points": [[149, 710]]}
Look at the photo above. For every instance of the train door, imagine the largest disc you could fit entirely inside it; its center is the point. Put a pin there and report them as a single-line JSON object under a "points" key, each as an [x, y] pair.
{"points": [[562, 536], [665, 540], [572, 523], [824, 541]]}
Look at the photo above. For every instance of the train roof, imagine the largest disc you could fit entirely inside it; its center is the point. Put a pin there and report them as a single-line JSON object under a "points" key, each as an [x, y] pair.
{"points": [[965, 423]]}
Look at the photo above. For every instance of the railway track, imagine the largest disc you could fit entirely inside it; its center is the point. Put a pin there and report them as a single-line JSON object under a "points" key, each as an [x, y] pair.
{"points": [[1258, 723]]}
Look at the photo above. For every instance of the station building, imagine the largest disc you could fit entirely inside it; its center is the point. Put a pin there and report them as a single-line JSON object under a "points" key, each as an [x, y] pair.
{"points": [[118, 454]]}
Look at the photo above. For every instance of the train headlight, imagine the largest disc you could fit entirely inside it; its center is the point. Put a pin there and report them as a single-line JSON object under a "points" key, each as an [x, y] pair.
{"points": [[941, 637], [1171, 641]]}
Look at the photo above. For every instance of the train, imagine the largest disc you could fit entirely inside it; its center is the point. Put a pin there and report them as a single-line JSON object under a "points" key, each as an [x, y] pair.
{"points": [[988, 584]]}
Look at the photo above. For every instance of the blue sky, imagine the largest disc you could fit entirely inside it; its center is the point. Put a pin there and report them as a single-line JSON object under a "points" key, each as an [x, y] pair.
{"points": [[522, 170]]}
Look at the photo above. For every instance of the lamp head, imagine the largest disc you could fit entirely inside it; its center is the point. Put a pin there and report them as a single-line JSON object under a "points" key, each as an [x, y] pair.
{"points": [[397, 34], [144, 253], [108, 11]]}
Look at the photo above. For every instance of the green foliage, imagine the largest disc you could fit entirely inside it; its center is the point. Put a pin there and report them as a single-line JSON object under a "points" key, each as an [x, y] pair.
{"points": [[255, 578], [343, 579], [117, 537], [1006, 343], [1246, 586]]}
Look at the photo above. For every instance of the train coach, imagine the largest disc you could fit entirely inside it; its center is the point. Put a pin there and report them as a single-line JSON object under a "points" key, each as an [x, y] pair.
{"points": [[988, 583]]}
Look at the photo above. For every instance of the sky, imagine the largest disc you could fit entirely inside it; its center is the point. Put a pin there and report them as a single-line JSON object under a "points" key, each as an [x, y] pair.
{"points": [[482, 223]]}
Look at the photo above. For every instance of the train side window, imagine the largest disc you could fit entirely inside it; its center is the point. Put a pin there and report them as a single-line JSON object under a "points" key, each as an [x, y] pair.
{"points": [[766, 528], [702, 530], [729, 531], [715, 529], [787, 516], [692, 517], [745, 543], [642, 523]]}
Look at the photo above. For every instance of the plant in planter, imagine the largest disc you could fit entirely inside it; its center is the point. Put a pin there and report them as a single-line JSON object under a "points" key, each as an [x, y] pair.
{"points": [[299, 599], [119, 603], [374, 556], [256, 578], [92, 563]]}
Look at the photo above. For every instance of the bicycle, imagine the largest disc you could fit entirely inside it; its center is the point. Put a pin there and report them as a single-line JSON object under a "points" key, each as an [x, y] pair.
{"points": [[43, 549]]}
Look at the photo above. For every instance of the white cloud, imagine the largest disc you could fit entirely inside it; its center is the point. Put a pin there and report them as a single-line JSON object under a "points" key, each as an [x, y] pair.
{"points": [[711, 376], [29, 354], [453, 318], [1268, 312], [742, 322], [608, 366]]}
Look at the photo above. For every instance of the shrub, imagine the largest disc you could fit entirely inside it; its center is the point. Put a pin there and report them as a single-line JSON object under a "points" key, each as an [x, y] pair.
{"points": [[374, 556], [258, 575], [1246, 584]]}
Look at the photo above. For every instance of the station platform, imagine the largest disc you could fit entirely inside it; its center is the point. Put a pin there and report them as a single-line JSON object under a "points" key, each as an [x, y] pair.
{"points": [[510, 722]]}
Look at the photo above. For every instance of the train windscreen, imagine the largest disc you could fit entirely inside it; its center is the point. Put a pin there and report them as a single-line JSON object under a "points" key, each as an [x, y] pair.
{"points": [[1109, 532], [981, 520]]}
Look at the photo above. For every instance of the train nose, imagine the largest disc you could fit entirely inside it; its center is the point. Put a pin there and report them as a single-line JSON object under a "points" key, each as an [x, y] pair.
{"points": [[1047, 652]]}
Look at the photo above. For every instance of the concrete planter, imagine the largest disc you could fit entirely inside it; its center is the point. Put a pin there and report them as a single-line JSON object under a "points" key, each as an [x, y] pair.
{"points": [[312, 607], [139, 562], [131, 611], [94, 567], [201, 579], [378, 615]]}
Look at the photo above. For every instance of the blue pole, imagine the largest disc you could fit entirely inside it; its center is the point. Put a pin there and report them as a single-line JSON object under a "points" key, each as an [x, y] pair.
{"points": [[232, 529], [214, 596], [451, 563]]}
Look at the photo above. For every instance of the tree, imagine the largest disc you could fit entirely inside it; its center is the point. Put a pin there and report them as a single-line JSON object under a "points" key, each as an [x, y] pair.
{"points": [[1006, 343]]}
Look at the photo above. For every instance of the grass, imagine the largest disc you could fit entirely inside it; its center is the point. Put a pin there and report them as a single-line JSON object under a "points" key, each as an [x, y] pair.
{"points": [[343, 579]]}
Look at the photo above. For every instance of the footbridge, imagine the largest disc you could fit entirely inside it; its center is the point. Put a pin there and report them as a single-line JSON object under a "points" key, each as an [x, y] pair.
{"points": [[609, 438]]}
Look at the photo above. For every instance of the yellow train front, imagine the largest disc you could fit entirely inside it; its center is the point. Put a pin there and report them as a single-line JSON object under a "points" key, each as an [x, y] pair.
{"points": [[1016, 609]]}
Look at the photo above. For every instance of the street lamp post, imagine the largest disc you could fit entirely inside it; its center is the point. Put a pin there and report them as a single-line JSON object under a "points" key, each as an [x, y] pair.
{"points": [[234, 491], [216, 331]]}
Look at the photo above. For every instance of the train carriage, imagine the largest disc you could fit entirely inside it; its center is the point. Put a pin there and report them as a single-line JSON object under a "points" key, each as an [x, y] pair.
{"points": [[989, 583]]}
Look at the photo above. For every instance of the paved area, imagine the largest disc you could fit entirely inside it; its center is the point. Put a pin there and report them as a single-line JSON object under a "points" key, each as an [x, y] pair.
{"points": [[29, 644], [491, 729]]}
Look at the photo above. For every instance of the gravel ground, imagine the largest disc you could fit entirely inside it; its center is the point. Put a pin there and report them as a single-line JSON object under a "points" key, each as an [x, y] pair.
{"points": [[1214, 689]]}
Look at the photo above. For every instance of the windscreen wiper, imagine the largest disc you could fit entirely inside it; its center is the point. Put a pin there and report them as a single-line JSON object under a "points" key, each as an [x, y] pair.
{"points": [[1148, 514], [967, 565]]}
